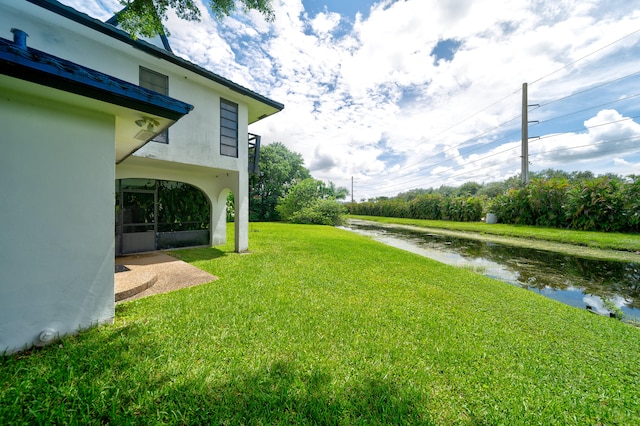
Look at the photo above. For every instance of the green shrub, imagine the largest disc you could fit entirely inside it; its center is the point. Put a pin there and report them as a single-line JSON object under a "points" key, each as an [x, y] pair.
{"points": [[513, 207], [383, 208], [321, 212], [547, 199], [596, 205], [302, 194], [427, 206], [631, 199], [606, 203], [462, 209]]}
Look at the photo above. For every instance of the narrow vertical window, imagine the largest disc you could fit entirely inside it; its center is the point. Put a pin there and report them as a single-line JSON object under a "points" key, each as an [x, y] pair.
{"points": [[158, 83], [228, 128]]}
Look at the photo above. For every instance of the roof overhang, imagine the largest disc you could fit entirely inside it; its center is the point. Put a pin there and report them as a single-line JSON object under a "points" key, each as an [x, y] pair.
{"points": [[259, 106], [140, 113]]}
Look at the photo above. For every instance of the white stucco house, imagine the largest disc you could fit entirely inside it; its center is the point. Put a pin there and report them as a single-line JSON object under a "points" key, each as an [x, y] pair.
{"points": [[92, 119]]}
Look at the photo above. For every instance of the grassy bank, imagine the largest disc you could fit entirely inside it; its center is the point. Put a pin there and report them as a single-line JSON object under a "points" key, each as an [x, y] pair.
{"points": [[600, 240], [322, 326]]}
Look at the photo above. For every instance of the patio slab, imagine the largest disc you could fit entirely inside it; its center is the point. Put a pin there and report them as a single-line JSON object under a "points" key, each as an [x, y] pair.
{"points": [[155, 273]]}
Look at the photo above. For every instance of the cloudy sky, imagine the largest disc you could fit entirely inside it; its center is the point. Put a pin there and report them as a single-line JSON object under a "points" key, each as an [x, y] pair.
{"points": [[419, 93]]}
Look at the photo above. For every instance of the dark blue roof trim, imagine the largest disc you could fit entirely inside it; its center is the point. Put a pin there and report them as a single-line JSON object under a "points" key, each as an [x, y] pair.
{"points": [[48, 70], [142, 45]]}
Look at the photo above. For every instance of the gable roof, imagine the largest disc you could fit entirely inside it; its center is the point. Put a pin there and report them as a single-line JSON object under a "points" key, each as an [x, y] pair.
{"points": [[36, 66], [111, 31]]}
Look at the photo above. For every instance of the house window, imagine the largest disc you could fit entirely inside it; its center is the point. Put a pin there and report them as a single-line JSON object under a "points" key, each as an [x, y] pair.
{"points": [[158, 83], [228, 128]]}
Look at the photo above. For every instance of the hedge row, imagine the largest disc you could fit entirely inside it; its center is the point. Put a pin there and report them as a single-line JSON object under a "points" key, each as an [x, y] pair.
{"points": [[599, 204], [429, 206]]}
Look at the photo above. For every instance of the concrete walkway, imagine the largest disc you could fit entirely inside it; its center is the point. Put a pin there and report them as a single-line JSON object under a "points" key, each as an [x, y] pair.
{"points": [[154, 273]]}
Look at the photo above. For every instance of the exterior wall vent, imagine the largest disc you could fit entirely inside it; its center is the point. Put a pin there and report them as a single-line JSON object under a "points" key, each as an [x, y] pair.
{"points": [[20, 38]]}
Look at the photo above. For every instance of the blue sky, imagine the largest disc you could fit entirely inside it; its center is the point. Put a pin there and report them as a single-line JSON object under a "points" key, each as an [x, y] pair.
{"points": [[346, 8], [422, 93]]}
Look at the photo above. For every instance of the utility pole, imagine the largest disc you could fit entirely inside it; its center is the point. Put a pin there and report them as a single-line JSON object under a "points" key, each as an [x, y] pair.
{"points": [[525, 136], [352, 189]]}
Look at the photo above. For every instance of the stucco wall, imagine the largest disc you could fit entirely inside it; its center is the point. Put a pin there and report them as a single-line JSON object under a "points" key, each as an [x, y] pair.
{"points": [[215, 183], [56, 219], [194, 139]]}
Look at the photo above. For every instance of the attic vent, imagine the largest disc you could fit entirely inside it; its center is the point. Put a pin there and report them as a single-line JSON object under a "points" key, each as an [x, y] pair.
{"points": [[144, 135]]}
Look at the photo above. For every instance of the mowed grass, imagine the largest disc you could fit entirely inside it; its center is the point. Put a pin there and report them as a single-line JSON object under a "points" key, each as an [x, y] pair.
{"points": [[321, 326], [601, 240]]}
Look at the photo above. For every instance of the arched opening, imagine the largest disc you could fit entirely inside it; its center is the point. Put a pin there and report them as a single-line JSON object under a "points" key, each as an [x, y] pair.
{"points": [[222, 215], [153, 214]]}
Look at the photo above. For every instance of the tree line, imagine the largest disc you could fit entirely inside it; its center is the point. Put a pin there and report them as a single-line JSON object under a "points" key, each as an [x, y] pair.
{"points": [[284, 190], [553, 198]]}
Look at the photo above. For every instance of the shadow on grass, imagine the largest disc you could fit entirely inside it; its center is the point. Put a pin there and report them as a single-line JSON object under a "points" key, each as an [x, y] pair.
{"points": [[93, 377], [281, 394], [196, 254], [121, 377]]}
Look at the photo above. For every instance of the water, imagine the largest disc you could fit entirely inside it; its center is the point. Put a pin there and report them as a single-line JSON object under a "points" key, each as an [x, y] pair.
{"points": [[572, 280]]}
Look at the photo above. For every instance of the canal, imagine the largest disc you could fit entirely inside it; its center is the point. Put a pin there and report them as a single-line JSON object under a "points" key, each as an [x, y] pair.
{"points": [[572, 280]]}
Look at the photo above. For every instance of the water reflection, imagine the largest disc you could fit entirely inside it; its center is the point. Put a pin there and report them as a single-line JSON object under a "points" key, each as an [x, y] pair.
{"points": [[572, 280]]}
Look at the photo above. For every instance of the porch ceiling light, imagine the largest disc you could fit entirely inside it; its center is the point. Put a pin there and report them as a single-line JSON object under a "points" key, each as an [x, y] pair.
{"points": [[147, 122], [148, 128]]}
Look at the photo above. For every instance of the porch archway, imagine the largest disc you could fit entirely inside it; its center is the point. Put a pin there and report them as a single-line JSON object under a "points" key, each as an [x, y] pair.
{"points": [[153, 214]]}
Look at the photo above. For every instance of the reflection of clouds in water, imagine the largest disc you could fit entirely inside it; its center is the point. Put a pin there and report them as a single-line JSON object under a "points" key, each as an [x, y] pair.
{"points": [[598, 305], [478, 265], [536, 271]]}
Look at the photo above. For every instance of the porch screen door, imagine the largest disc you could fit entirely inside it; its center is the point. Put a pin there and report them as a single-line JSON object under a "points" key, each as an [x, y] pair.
{"points": [[138, 221]]}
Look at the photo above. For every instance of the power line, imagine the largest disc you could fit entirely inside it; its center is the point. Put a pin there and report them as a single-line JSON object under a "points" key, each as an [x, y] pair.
{"points": [[389, 187], [591, 144], [507, 136], [546, 152], [463, 143], [452, 168], [475, 161], [590, 108], [497, 127], [589, 89], [446, 160], [480, 172], [554, 135], [533, 155], [456, 125], [585, 56]]}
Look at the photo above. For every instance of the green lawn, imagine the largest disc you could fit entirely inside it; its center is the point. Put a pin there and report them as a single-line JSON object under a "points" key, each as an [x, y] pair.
{"points": [[321, 326], [601, 240]]}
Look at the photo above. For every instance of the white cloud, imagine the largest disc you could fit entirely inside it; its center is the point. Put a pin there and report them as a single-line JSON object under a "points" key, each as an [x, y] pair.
{"points": [[607, 132], [324, 23], [610, 125], [366, 98], [99, 9]]}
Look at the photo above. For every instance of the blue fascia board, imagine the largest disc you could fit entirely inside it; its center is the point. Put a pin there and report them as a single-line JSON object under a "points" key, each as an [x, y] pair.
{"points": [[118, 34], [38, 67]]}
